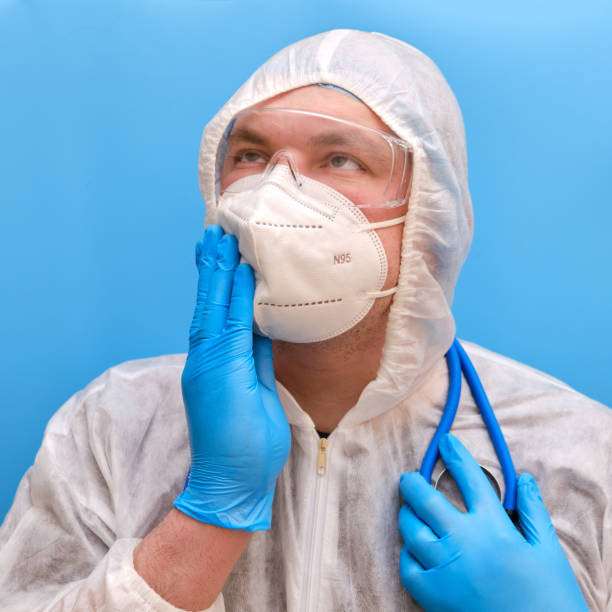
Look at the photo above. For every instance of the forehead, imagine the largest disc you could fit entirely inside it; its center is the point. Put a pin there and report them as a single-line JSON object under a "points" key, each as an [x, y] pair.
{"points": [[327, 102]]}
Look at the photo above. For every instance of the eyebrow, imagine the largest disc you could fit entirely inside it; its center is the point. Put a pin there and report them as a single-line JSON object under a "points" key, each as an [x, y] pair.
{"points": [[339, 138], [248, 135]]}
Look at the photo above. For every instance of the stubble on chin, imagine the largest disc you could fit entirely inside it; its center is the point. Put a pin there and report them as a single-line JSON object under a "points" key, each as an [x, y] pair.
{"points": [[360, 340]]}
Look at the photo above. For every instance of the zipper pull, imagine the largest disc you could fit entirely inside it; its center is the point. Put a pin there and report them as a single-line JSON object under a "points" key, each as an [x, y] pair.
{"points": [[322, 462]]}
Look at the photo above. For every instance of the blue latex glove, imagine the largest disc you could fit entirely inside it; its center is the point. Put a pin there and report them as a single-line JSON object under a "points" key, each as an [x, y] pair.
{"points": [[479, 560], [238, 431]]}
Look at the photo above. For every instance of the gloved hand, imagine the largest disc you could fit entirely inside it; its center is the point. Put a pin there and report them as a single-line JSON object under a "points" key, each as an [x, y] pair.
{"points": [[238, 431], [479, 560]]}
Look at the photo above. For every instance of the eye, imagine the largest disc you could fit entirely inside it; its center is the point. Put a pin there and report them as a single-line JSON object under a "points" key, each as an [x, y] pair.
{"points": [[343, 162], [250, 157]]}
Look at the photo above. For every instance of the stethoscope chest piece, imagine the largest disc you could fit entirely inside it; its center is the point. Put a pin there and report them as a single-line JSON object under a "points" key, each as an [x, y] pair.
{"points": [[447, 486]]}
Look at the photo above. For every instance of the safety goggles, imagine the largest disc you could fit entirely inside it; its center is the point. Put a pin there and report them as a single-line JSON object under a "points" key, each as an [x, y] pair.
{"points": [[367, 166]]}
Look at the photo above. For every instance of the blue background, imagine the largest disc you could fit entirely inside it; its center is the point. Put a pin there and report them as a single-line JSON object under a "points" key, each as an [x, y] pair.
{"points": [[102, 104]]}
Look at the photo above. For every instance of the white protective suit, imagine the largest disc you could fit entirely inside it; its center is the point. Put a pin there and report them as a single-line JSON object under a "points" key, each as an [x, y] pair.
{"points": [[115, 455]]}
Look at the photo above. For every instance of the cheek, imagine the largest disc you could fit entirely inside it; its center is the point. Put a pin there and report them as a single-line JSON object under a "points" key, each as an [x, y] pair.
{"points": [[391, 238]]}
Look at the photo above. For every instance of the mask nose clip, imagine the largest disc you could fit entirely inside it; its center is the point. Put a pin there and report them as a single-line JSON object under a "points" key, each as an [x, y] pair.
{"points": [[279, 157]]}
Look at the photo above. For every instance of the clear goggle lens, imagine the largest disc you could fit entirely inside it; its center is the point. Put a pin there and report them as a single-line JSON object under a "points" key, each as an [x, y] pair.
{"points": [[367, 166]]}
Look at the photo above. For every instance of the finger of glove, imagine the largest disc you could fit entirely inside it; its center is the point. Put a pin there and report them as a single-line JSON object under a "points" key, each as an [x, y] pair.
{"points": [[413, 575], [428, 504], [214, 315], [206, 255], [533, 517], [420, 541], [240, 312], [264, 361], [474, 486]]}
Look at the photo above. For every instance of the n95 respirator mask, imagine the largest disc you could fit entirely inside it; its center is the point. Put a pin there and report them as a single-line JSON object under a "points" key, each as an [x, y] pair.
{"points": [[319, 265]]}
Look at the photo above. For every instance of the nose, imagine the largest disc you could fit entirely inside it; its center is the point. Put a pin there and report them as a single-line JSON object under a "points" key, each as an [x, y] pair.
{"points": [[283, 156]]}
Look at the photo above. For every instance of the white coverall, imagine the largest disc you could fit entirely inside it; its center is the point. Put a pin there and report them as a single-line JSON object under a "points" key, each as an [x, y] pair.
{"points": [[115, 456]]}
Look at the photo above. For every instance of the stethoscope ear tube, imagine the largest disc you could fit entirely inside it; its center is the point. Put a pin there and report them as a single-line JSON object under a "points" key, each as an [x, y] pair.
{"points": [[459, 362]]}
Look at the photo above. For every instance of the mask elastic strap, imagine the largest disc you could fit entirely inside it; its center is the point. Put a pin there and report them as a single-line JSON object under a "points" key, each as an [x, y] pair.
{"points": [[379, 294], [366, 227]]}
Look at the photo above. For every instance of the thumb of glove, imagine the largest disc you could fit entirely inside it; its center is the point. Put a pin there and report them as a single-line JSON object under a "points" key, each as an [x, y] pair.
{"points": [[264, 361], [533, 517]]}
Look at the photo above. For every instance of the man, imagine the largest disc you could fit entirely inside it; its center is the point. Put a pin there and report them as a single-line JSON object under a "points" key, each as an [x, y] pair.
{"points": [[292, 496]]}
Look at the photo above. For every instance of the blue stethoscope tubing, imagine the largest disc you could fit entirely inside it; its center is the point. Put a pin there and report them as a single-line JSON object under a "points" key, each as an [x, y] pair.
{"points": [[458, 363]]}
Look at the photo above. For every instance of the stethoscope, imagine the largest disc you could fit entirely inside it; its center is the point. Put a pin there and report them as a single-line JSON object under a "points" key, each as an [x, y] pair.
{"points": [[458, 363]]}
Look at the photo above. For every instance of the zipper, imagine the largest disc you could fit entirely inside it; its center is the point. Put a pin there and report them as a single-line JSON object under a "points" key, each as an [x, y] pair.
{"points": [[322, 461], [315, 528]]}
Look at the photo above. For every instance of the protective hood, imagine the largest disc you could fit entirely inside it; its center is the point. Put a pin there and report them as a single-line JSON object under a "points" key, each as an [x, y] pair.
{"points": [[408, 92]]}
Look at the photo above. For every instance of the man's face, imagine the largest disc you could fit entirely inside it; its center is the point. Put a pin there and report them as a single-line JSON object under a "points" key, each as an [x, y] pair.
{"points": [[293, 137]]}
